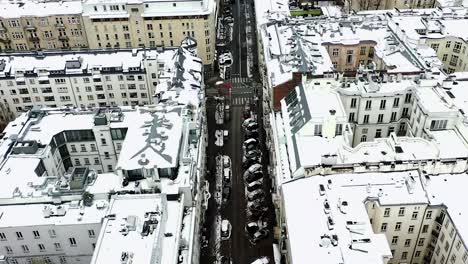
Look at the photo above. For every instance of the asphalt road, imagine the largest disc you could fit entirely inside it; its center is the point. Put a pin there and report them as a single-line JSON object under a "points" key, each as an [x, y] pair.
{"points": [[238, 246]]}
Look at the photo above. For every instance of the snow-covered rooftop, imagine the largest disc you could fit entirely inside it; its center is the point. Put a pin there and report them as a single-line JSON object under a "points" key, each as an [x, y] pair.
{"points": [[356, 242], [137, 227], [39, 9], [81, 62]]}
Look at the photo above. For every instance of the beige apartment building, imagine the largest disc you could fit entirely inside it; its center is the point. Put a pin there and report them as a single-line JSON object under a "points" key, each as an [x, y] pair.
{"points": [[33, 26], [452, 52], [361, 5], [123, 24], [348, 57], [108, 24]]}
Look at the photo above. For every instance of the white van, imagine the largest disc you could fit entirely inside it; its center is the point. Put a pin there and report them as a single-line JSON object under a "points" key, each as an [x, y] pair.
{"points": [[227, 175]]}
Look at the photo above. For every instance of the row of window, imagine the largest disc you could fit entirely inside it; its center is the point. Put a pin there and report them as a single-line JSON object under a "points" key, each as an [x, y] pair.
{"points": [[37, 235], [383, 102]]}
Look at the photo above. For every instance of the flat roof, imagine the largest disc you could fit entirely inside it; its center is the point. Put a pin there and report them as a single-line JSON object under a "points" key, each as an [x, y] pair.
{"points": [[125, 234], [33, 214], [307, 224], [39, 9]]}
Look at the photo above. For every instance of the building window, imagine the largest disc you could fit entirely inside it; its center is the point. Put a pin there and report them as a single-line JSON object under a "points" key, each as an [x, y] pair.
{"points": [[318, 130], [452, 232], [457, 47], [335, 52], [57, 246], [404, 255], [103, 141], [363, 51], [63, 260], [393, 117], [72, 241], [411, 229], [438, 124], [429, 215], [93, 147], [83, 147], [8, 250], [353, 102], [363, 138], [407, 242], [351, 117], [36, 234], [378, 133], [41, 247], [349, 56], [382, 104], [106, 155], [380, 118], [448, 44], [401, 212], [394, 240], [109, 168], [19, 235], [407, 98], [425, 228], [3, 236], [96, 161], [25, 248], [368, 105], [91, 233], [421, 242], [52, 233], [435, 46], [444, 57], [398, 226], [383, 228], [458, 245], [366, 119]]}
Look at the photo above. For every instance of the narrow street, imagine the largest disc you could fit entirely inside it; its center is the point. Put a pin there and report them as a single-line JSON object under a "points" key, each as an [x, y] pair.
{"points": [[244, 83]]}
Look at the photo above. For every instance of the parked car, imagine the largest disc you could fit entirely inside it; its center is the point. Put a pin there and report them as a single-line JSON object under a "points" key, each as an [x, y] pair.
{"points": [[251, 228], [255, 185], [248, 121], [250, 177], [226, 193], [254, 168], [260, 234], [225, 260], [255, 195], [227, 175], [225, 229], [251, 126], [251, 134], [226, 162], [247, 162], [250, 143], [262, 260], [252, 153]]}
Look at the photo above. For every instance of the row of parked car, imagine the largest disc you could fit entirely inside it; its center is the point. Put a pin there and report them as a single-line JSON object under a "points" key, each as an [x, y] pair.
{"points": [[257, 224]]}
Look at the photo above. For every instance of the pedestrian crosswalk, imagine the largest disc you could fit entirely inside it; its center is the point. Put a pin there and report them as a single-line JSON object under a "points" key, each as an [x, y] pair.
{"points": [[239, 79], [241, 100]]}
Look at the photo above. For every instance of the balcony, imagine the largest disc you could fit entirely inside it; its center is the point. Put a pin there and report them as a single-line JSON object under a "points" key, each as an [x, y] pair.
{"points": [[63, 38], [30, 27], [34, 39], [439, 220], [59, 25], [435, 233]]}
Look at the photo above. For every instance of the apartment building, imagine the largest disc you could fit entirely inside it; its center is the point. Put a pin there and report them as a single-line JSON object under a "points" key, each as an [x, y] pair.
{"points": [[363, 5], [41, 25], [443, 34], [89, 79], [61, 166], [126, 24], [397, 217], [54, 25]]}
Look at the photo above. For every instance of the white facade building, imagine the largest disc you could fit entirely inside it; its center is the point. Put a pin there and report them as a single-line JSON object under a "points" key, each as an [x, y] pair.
{"points": [[61, 166], [79, 79]]}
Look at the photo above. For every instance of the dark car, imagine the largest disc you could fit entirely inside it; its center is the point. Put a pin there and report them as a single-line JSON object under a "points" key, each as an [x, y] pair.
{"points": [[251, 228], [249, 154], [226, 194], [260, 234], [255, 185], [250, 143], [257, 194], [247, 162], [251, 134], [225, 260], [251, 177], [251, 126]]}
